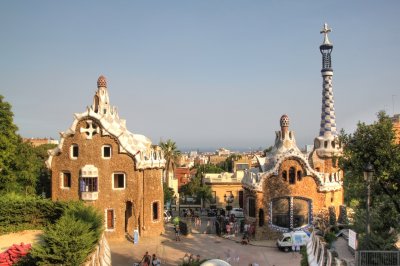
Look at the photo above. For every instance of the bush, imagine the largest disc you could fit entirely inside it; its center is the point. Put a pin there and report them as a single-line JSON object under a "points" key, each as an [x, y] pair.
{"points": [[304, 257], [72, 238], [71, 229], [27, 212], [329, 238], [67, 242]]}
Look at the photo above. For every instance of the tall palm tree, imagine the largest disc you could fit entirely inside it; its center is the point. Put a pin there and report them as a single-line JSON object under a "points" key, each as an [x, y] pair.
{"points": [[171, 155]]}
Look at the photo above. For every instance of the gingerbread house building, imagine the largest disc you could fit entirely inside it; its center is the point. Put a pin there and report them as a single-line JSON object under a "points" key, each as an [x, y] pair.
{"points": [[100, 162]]}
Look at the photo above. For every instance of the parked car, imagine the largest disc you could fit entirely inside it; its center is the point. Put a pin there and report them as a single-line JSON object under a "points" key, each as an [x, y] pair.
{"points": [[167, 216], [297, 238], [237, 212]]}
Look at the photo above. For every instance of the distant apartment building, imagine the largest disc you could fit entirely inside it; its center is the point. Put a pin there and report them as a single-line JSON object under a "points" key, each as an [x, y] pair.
{"points": [[185, 161], [201, 159], [224, 186], [223, 152], [182, 174], [216, 159], [40, 141]]}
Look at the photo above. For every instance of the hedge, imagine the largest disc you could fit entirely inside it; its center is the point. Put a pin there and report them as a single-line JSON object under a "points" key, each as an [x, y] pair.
{"points": [[27, 212]]}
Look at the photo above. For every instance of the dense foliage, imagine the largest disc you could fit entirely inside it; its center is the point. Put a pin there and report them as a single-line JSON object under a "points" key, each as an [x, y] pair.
{"points": [[168, 193], [373, 144], [171, 154], [196, 187], [27, 212], [22, 166], [71, 239], [227, 165]]}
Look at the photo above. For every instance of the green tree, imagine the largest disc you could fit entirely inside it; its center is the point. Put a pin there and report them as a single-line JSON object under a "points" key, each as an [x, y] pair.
{"points": [[171, 154], [168, 193], [267, 150], [67, 242], [9, 140], [196, 187], [44, 176], [71, 239], [22, 166], [227, 165], [373, 144]]}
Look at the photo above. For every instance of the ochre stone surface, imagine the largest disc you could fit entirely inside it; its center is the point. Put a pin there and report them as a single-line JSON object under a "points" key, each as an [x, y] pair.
{"points": [[276, 186], [142, 187]]}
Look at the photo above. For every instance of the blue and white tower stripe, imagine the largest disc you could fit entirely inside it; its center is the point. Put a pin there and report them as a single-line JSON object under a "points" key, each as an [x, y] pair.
{"points": [[328, 119]]}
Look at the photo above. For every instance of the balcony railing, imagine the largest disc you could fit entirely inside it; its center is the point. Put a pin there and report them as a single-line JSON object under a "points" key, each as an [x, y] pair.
{"points": [[89, 195]]}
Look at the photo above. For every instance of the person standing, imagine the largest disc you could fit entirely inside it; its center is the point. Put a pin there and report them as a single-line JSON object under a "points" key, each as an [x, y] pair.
{"points": [[186, 258], [155, 261], [146, 259], [177, 233]]}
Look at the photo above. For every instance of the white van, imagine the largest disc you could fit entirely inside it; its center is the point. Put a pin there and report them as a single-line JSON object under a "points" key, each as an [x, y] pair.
{"points": [[167, 216], [297, 238]]}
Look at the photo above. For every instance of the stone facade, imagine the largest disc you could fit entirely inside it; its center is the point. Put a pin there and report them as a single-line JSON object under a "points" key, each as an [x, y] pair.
{"points": [[100, 162]]}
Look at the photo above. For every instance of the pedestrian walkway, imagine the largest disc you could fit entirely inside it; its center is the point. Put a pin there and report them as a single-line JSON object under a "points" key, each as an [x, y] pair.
{"points": [[208, 246], [342, 249]]}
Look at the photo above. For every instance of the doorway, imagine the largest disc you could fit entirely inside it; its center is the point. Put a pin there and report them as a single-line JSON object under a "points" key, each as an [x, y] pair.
{"points": [[128, 215]]}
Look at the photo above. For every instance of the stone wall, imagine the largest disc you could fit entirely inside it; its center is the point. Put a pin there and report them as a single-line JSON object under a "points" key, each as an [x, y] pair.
{"points": [[101, 256], [142, 187], [277, 186]]}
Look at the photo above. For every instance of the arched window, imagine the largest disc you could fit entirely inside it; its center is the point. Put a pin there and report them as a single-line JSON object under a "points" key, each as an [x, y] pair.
{"points": [[299, 175], [261, 217], [291, 212], [284, 175], [292, 175]]}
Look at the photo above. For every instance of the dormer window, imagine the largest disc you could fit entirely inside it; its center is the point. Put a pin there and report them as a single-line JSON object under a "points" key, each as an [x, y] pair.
{"points": [[74, 151], [106, 152]]}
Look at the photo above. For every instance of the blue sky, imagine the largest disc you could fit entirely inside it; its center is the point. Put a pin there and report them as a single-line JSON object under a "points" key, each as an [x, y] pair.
{"points": [[203, 73]]}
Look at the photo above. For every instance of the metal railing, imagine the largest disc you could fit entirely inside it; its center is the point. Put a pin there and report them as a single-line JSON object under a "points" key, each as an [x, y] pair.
{"points": [[377, 258]]}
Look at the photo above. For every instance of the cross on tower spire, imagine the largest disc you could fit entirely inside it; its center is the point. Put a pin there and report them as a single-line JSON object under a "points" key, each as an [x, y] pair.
{"points": [[325, 30]]}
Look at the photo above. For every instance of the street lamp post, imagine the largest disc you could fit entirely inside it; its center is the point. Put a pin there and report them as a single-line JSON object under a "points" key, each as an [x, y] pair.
{"points": [[228, 200], [368, 175]]}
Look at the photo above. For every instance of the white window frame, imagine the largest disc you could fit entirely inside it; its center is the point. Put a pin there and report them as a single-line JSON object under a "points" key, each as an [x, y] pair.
{"points": [[106, 221], [112, 181], [71, 151], [102, 152], [159, 211], [62, 174]]}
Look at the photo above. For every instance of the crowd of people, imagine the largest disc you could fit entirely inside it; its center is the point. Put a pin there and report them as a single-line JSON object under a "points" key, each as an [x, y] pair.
{"points": [[149, 260], [190, 259]]}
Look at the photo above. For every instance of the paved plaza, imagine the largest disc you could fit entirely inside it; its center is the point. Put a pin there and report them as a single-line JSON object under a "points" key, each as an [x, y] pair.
{"points": [[208, 246]]}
